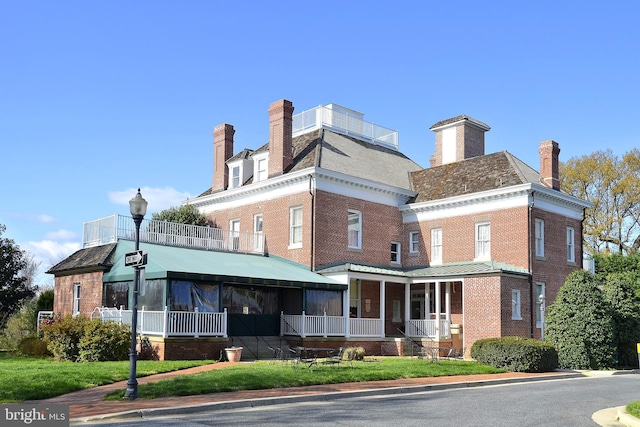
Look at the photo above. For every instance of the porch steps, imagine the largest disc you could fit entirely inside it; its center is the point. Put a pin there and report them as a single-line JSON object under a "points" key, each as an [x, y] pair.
{"points": [[257, 347]]}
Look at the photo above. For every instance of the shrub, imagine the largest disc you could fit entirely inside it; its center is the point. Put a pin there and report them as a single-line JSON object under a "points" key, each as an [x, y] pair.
{"points": [[625, 312], [516, 354], [34, 346], [63, 336], [104, 341], [19, 326], [580, 324], [354, 353], [80, 339]]}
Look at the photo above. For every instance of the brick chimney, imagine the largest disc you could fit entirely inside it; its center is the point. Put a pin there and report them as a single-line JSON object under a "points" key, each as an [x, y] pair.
{"points": [[222, 151], [549, 164], [280, 136], [457, 139]]}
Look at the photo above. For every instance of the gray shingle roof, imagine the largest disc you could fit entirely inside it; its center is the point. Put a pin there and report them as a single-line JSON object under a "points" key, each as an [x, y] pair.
{"points": [[89, 259], [472, 175]]}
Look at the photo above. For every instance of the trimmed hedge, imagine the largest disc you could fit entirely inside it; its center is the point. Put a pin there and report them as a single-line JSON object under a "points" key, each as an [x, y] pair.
{"points": [[516, 354]]}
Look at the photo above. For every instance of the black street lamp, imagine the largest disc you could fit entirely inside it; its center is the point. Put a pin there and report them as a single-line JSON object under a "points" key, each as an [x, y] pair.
{"points": [[138, 208]]}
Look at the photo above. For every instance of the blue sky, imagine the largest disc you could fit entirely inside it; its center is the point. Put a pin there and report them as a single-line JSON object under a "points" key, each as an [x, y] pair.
{"points": [[100, 98]]}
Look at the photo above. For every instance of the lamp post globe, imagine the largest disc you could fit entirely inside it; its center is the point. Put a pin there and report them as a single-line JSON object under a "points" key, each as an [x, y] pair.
{"points": [[138, 208]]}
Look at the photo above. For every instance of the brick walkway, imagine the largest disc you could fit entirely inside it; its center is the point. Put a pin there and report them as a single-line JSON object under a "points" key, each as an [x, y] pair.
{"points": [[89, 403]]}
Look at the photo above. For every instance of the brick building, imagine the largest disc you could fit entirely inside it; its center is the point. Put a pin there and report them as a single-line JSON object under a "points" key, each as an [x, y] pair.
{"points": [[449, 254]]}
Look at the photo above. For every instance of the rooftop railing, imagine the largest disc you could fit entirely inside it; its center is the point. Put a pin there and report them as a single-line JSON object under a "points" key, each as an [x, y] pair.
{"points": [[340, 120], [110, 229]]}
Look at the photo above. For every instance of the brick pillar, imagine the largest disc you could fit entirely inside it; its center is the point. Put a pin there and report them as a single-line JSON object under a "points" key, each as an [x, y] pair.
{"points": [[549, 164], [222, 151], [280, 136]]}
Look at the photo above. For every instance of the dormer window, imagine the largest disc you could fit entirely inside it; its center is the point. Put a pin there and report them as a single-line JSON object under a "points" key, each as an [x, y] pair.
{"points": [[234, 177], [260, 166]]}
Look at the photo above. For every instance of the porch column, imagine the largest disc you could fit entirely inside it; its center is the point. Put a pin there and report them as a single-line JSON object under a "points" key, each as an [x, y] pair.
{"points": [[427, 304], [438, 310], [407, 304], [383, 285], [346, 295], [447, 301]]}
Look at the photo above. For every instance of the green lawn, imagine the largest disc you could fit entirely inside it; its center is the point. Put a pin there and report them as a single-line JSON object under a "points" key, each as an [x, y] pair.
{"points": [[25, 378], [634, 409]]}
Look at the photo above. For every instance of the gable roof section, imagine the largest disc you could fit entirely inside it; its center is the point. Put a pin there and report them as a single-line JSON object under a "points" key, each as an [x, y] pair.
{"points": [[472, 175], [194, 264], [89, 259]]}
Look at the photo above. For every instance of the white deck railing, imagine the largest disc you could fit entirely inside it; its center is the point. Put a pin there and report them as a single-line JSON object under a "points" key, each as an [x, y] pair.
{"points": [[110, 229], [427, 328], [304, 325], [341, 121], [169, 323]]}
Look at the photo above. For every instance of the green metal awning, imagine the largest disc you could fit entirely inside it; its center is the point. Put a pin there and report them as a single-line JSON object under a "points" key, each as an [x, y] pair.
{"points": [[169, 262]]}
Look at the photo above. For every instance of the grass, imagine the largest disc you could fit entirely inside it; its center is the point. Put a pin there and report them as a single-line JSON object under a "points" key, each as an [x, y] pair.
{"points": [[262, 375], [27, 378], [634, 409]]}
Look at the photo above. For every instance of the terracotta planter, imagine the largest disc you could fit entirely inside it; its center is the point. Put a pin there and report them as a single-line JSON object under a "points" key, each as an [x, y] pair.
{"points": [[233, 354]]}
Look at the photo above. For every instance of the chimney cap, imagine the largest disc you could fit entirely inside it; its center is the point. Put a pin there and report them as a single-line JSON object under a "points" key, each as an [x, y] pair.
{"points": [[461, 118]]}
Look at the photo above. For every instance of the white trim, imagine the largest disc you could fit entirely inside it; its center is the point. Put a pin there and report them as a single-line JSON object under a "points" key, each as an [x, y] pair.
{"points": [[292, 244], [482, 256], [539, 237], [398, 253], [358, 244], [516, 304], [434, 259], [77, 295]]}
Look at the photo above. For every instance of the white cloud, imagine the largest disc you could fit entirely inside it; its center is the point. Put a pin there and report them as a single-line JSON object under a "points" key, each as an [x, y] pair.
{"points": [[40, 218], [60, 235], [50, 252], [158, 198]]}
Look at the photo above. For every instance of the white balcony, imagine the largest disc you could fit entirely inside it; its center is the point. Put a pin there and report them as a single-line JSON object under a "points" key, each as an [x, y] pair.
{"points": [[110, 229]]}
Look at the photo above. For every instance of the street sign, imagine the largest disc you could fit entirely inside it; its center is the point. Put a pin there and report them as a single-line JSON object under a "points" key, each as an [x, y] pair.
{"points": [[135, 259]]}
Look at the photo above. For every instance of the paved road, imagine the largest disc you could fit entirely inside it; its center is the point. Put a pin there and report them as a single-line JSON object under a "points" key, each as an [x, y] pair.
{"points": [[566, 403]]}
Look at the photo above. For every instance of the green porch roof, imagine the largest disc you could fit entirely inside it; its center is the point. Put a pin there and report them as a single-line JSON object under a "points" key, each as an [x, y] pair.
{"points": [[194, 264], [442, 270]]}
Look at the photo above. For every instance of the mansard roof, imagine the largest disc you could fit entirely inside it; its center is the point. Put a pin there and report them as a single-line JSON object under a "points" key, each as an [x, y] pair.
{"points": [[471, 175]]}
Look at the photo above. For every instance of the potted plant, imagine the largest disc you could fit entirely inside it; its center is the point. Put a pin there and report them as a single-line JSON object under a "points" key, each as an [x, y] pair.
{"points": [[233, 353]]}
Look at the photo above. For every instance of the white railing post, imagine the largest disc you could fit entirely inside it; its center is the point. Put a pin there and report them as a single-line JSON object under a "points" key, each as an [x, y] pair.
{"points": [[324, 324], [165, 321], [303, 326], [196, 321], [141, 322], [224, 324]]}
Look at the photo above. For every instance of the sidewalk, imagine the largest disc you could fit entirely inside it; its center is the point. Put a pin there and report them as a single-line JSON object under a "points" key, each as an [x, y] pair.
{"points": [[87, 404]]}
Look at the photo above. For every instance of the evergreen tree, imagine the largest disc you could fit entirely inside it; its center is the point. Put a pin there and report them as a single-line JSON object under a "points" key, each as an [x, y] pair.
{"points": [[14, 284]]}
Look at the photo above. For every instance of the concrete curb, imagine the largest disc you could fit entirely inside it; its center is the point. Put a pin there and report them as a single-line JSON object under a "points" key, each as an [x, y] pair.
{"points": [[625, 418], [317, 397]]}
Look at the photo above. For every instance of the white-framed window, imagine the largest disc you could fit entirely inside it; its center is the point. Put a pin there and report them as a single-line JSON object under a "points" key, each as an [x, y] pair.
{"points": [[234, 177], [436, 245], [540, 290], [76, 298], [571, 249], [395, 253], [539, 237], [262, 171], [414, 242], [483, 241], [516, 302], [295, 227], [257, 233], [355, 229], [234, 234]]}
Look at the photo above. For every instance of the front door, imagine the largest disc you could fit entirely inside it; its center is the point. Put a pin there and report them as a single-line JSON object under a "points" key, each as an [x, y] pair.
{"points": [[251, 310]]}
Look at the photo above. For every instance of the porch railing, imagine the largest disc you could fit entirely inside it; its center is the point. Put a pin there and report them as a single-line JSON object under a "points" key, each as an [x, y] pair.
{"points": [[422, 328], [305, 325], [168, 323], [110, 229]]}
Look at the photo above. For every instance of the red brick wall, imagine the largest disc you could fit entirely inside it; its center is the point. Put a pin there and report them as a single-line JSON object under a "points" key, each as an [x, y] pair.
{"points": [[188, 348], [90, 293], [275, 224], [381, 224], [508, 227]]}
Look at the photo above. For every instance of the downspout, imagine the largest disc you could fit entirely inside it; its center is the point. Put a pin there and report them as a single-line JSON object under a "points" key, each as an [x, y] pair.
{"points": [[531, 292], [312, 248]]}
